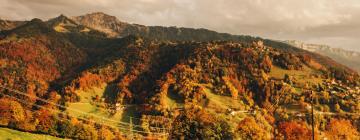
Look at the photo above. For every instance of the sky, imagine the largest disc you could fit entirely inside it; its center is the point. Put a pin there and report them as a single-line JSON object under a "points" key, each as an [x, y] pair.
{"points": [[332, 22]]}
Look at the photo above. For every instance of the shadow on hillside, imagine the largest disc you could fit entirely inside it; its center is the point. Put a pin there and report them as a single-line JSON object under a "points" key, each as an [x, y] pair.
{"points": [[109, 93]]}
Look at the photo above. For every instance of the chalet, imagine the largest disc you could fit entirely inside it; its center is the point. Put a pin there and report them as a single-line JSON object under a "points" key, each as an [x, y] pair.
{"points": [[300, 115], [333, 82], [351, 91]]}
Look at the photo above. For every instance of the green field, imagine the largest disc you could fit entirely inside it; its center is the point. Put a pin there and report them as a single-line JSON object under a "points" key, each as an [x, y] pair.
{"points": [[301, 76], [9, 134], [218, 105], [220, 101], [85, 108], [86, 95]]}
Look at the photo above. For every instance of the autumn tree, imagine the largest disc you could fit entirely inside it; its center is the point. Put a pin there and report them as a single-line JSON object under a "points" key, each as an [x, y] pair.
{"points": [[84, 131], [233, 91], [66, 129], [248, 128], [11, 111], [106, 134], [337, 108], [341, 129], [196, 123], [266, 63], [293, 130], [47, 122], [87, 81]]}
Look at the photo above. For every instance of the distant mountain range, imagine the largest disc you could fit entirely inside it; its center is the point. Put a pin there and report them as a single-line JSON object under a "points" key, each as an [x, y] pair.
{"points": [[345, 57]]}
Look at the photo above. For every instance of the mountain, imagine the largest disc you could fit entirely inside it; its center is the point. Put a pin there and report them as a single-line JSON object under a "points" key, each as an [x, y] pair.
{"points": [[103, 22], [41, 53], [64, 24], [115, 28], [7, 25], [348, 58], [125, 81]]}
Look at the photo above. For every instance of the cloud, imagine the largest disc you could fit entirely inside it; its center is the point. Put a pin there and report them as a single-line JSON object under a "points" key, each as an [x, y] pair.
{"points": [[330, 22]]}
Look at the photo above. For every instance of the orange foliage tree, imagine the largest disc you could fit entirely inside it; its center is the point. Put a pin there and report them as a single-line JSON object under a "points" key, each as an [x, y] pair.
{"points": [[88, 80], [196, 123], [233, 90], [248, 128], [341, 129], [293, 130], [11, 111], [46, 122]]}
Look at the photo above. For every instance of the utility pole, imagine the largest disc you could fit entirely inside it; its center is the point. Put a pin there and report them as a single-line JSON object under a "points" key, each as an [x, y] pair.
{"points": [[131, 128], [312, 115]]}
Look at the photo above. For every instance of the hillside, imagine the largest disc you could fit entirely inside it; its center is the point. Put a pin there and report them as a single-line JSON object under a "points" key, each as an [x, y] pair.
{"points": [[76, 78], [7, 25], [348, 58]]}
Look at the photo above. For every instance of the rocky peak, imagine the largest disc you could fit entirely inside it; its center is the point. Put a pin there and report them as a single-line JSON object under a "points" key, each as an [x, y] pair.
{"points": [[345, 57], [102, 16], [62, 19], [98, 18], [102, 22], [64, 24], [319, 47]]}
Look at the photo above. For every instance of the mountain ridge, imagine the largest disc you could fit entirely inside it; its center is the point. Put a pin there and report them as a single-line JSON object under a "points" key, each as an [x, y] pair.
{"points": [[183, 34], [7, 24], [113, 27], [346, 57]]}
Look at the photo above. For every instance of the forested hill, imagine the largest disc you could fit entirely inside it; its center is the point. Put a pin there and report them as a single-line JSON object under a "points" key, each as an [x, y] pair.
{"points": [[116, 28], [95, 77], [113, 27]]}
